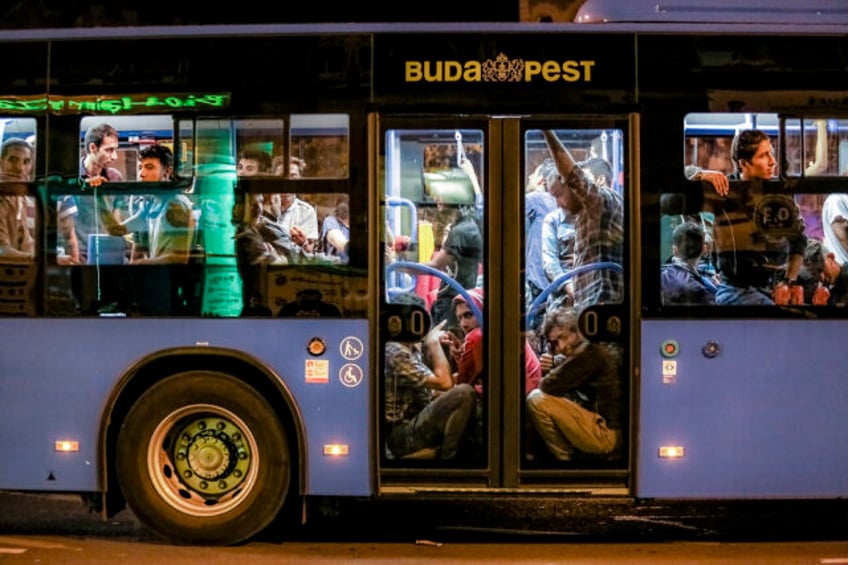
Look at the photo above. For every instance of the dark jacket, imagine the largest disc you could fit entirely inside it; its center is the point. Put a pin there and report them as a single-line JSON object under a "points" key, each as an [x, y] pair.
{"points": [[682, 284], [594, 373]]}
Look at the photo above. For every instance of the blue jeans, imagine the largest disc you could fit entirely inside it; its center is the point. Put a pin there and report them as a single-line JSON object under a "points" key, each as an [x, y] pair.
{"points": [[742, 296], [442, 424]]}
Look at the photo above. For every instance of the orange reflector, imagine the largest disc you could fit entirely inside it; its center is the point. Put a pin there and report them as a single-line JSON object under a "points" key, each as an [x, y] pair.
{"points": [[66, 446], [316, 346], [669, 348], [672, 452], [335, 449]]}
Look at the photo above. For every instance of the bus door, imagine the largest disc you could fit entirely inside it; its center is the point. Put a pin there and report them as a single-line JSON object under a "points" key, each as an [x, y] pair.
{"points": [[478, 246]]}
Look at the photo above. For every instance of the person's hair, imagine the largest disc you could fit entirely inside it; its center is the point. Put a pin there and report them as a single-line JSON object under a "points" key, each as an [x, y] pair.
{"points": [[598, 166], [814, 257], [409, 298], [160, 152], [263, 160], [13, 142], [815, 252], [745, 144], [565, 318], [538, 172], [342, 210], [549, 172], [97, 133], [476, 295], [297, 162], [688, 238]]}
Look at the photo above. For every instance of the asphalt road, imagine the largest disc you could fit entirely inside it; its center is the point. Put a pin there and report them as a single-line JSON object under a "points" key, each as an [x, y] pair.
{"points": [[58, 529], [498, 518]]}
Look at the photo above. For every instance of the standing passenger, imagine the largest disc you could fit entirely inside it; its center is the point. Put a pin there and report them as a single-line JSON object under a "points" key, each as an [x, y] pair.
{"points": [[169, 221], [101, 150], [537, 204], [835, 226], [750, 255], [597, 214], [558, 254], [98, 214], [460, 253], [252, 162]]}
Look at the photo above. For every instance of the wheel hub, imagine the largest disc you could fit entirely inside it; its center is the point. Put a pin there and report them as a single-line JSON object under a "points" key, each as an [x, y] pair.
{"points": [[211, 456], [208, 457]]}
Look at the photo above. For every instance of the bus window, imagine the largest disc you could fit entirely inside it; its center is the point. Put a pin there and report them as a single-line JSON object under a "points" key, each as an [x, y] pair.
{"points": [[219, 249], [18, 217], [18, 138], [428, 193], [821, 145], [17, 166], [746, 247], [708, 137], [550, 238], [111, 226], [753, 248], [318, 147], [109, 146], [813, 147], [258, 142]]}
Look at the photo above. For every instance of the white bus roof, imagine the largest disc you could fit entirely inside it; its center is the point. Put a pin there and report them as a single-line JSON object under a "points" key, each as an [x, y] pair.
{"points": [[714, 11]]}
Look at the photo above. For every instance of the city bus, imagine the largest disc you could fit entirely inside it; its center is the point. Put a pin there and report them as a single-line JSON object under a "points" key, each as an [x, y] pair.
{"points": [[162, 352]]}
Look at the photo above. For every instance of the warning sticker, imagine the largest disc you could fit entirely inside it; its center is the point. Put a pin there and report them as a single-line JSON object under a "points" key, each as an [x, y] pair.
{"points": [[317, 371]]}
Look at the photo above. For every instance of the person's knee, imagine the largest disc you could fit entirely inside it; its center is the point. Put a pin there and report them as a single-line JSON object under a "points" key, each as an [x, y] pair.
{"points": [[534, 398], [466, 395]]}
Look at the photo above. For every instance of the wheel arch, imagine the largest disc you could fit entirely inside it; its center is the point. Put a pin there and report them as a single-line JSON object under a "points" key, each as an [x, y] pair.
{"points": [[155, 367]]}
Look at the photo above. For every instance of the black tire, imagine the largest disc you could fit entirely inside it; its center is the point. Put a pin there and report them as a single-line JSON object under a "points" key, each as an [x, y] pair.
{"points": [[202, 459]]}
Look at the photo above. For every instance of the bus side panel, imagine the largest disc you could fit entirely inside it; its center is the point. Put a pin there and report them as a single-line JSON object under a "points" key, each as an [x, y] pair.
{"points": [[57, 384], [764, 418]]}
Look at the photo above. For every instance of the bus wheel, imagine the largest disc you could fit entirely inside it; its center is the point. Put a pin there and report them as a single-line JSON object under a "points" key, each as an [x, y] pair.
{"points": [[202, 459]]}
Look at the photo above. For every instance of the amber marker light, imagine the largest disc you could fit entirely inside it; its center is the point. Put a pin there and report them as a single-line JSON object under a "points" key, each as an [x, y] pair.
{"points": [[66, 446], [669, 348], [316, 346], [672, 452], [335, 449]]}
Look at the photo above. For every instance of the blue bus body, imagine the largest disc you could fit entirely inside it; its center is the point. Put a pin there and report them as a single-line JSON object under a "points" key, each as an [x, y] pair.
{"points": [[80, 376], [265, 367], [768, 402]]}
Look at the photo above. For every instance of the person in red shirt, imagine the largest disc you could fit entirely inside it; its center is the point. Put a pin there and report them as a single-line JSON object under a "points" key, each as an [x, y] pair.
{"points": [[467, 353]]}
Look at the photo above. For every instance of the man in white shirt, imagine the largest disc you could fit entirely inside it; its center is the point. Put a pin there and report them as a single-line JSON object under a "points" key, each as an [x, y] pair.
{"points": [[835, 226]]}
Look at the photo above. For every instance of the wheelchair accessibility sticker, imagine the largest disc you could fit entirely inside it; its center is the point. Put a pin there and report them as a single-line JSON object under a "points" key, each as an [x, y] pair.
{"points": [[350, 375]]}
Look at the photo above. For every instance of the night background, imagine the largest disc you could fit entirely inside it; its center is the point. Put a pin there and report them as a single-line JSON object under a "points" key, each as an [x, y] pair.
{"points": [[32, 14]]}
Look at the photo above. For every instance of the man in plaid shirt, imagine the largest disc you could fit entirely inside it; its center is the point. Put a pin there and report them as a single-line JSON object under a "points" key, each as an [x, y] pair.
{"points": [[597, 214]]}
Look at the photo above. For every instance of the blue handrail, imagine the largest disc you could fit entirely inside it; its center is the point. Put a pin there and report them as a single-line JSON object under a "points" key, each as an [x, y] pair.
{"points": [[428, 270], [393, 202], [540, 300]]}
